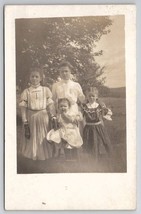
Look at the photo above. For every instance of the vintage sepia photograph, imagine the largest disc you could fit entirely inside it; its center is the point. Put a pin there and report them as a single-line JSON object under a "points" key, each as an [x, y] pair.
{"points": [[70, 107], [71, 94]]}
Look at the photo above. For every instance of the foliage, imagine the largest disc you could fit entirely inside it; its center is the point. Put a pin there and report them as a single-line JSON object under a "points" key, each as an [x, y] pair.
{"points": [[44, 42]]}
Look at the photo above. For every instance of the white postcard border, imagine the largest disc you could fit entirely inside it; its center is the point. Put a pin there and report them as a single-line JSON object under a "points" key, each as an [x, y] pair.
{"points": [[84, 191]]}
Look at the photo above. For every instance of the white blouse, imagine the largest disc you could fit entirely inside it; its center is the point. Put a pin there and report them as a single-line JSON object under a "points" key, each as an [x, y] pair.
{"points": [[68, 89], [36, 98]]}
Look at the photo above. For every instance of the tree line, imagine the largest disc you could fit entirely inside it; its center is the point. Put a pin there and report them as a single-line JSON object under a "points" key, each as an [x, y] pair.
{"points": [[45, 42]]}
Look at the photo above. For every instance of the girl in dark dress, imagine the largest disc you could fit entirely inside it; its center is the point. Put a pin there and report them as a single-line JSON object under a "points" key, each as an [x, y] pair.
{"points": [[96, 140]]}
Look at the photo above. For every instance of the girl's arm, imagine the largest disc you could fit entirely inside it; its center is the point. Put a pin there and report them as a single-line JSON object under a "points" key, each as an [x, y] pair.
{"points": [[25, 122], [24, 114], [67, 118], [108, 115], [81, 96], [23, 105], [51, 110], [52, 113], [72, 118], [79, 117], [54, 95], [50, 103], [106, 112]]}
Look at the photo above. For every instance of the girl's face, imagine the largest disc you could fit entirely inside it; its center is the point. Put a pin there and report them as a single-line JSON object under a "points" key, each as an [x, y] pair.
{"points": [[63, 106], [35, 78], [92, 98], [65, 73]]}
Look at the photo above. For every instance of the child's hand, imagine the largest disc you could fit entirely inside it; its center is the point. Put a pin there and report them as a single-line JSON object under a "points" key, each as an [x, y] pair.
{"points": [[67, 117], [71, 119], [75, 122], [27, 131]]}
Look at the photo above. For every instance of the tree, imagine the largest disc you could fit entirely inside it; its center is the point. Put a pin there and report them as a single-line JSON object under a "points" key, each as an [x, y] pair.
{"points": [[44, 42]]}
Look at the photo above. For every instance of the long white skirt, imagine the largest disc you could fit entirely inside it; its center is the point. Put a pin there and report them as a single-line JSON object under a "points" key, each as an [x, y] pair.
{"points": [[37, 148]]}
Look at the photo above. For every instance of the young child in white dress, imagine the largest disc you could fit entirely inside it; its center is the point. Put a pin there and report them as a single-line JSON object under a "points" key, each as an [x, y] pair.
{"points": [[67, 135], [36, 106]]}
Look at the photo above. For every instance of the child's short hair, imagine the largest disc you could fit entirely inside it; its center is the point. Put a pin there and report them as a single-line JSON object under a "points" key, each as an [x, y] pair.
{"points": [[92, 90], [65, 64], [64, 100], [37, 69]]}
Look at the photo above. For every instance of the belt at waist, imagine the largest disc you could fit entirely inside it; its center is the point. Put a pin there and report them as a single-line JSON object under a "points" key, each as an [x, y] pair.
{"points": [[93, 124], [68, 128], [36, 109]]}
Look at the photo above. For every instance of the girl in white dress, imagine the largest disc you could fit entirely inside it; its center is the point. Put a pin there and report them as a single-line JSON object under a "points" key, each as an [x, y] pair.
{"points": [[36, 106], [68, 130]]}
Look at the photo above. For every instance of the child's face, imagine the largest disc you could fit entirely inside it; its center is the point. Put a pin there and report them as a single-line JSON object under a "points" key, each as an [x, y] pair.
{"points": [[65, 73], [63, 107], [92, 98], [35, 78]]}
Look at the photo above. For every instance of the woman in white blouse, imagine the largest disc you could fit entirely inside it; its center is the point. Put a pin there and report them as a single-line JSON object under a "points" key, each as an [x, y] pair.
{"points": [[66, 88], [36, 105]]}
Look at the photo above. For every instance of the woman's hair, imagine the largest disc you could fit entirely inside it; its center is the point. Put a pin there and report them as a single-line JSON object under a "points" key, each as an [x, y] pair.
{"points": [[64, 100], [65, 64]]}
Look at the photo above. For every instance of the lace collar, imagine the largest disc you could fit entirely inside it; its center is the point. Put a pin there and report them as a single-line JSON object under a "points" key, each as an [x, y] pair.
{"points": [[35, 86], [93, 105]]}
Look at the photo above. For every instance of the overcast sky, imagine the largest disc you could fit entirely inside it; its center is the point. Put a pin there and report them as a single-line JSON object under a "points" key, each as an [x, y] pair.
{"points": [[113, 45]]}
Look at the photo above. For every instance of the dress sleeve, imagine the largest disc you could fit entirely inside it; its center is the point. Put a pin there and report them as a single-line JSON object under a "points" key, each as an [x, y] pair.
{"points": [[102, 104], [107, 113], [54, 92], [49, 96], [23, 99], [81, 96]]}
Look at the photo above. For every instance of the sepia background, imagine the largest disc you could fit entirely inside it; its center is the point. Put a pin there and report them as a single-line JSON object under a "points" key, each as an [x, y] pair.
{"points": [[95, 46]]}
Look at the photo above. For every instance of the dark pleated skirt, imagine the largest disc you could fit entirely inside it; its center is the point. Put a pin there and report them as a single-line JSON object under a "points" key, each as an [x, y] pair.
{"points": [[96, 140]]}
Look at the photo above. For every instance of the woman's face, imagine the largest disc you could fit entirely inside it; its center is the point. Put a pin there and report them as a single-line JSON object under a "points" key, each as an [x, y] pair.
{"points": [[65, 73], [35, 78], [92, 98], [63, 106]]}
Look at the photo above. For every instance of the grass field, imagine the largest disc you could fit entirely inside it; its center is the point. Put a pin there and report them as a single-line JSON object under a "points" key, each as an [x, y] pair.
{"points": [[117, 133]]}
